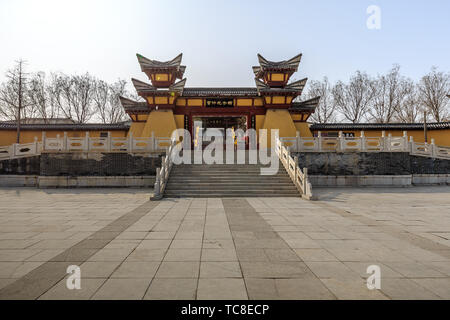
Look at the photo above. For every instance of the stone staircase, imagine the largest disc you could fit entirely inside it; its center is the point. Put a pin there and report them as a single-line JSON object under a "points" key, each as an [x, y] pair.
{"points": [[228, 180]]}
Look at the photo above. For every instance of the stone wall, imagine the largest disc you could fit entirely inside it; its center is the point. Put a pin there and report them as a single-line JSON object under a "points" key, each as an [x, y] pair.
{"points": [[98, 164], [370, 163], [21, 166]]}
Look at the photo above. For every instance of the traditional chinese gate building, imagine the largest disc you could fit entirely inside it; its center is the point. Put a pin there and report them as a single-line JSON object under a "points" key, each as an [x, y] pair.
{"points": [[170, 105]]}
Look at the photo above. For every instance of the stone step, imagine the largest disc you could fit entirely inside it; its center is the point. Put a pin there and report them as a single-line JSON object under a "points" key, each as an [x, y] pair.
{"points": [[230, 187], [229, 194]]}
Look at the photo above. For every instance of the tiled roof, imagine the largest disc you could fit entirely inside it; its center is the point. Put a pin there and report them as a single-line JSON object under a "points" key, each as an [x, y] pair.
{"points": [[308, 105], [149, 64], [227, 92], [131, 105], [291, 64], [379, 126], [296, 86], [66, 127]]}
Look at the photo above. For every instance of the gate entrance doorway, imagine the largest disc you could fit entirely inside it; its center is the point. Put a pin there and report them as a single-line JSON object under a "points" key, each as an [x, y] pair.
{"points": [[201, 124]]}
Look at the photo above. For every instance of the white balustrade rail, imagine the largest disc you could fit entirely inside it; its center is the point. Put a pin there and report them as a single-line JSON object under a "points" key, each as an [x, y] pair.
{"points": [[163, 173], [131, 144], [365, 144], [16, 150], [298, 176]]}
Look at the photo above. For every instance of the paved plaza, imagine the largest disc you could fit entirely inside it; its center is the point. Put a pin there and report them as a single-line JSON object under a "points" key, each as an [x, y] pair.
{"points": [[231, 248]]}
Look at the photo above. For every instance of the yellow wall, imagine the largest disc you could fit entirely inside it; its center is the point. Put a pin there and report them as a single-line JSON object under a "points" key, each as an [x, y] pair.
{"points": [[136, 128], [8, 137], [161, 122], [179, 121], [279, 119]]}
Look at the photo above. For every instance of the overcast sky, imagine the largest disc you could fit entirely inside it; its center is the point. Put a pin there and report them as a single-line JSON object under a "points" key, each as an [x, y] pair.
{"points": [[220, 39]]}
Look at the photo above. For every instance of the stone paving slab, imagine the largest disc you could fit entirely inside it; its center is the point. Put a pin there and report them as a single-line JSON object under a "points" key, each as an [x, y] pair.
{"points": [[245, 248]]}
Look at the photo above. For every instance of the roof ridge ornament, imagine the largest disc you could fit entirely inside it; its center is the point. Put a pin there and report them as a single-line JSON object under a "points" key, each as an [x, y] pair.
{"points": [[147, 63], [292, 63]]}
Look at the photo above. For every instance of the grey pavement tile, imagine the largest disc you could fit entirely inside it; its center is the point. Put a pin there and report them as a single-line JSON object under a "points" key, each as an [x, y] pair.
{"points": [[315, 255], [136, 270], [209, 269], [356, 289], [61, 292], [405, 289], [182, 255], [275, 270], [218, 255], [332, 269], [187, 269], [122, 289], [98, 269], [172, 289], [221, 289]]}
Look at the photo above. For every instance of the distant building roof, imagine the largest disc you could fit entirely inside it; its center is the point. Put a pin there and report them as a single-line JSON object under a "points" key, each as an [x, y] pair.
{"points": [[67, 126], [42, 121], [379, 126]]}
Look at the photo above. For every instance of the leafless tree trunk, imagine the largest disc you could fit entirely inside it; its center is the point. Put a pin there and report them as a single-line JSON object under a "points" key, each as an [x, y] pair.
{"points": [[14, 103], [353, 99], [390, 92], [74, 96], [433, 89], [326, 110], [410, 110], [106, 100], [40, 95]]}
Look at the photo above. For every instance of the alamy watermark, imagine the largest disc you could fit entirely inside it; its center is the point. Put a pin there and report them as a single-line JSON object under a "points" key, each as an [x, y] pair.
{"points": [[374, 280], [374, 20], [73, 281], [216, 146]]}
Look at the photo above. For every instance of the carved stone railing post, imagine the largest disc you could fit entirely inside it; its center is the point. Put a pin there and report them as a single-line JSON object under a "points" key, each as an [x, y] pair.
{"points": [[130, 142], [363, 141], [433, 148], [389, 142], [383, 144], [44, 138], [86, 143], [65, 141], [108, 142], [319, 141], [341, 144], [405, 142]]}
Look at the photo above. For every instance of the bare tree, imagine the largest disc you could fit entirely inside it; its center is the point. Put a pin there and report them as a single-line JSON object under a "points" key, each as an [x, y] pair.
{"points": [[390, 92], [41, 97], [353, 99], [433, 89], [326, 110], [106, 101], [410, 110], [74, 96], [14, 102]]}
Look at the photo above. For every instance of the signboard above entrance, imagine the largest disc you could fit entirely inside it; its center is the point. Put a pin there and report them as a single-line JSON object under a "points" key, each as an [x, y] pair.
{"points": [[219, 103]]}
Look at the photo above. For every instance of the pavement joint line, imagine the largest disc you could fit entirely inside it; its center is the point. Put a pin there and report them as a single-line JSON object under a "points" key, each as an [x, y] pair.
{"points": [[41, 279], [247, 205], [411, 238]]}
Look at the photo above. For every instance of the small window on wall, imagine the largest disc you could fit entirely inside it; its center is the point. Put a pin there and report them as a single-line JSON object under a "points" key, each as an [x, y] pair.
{"points": [[103, 134]]}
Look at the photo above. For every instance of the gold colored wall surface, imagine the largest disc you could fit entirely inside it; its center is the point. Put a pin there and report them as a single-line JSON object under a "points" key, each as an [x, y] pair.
{"points": [[8, 137], [179, 121], [136, 129], [281, 120], [161, 123]]}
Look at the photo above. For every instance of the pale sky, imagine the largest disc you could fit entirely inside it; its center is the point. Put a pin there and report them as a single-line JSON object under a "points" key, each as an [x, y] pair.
{"points": [[220, 39]]}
